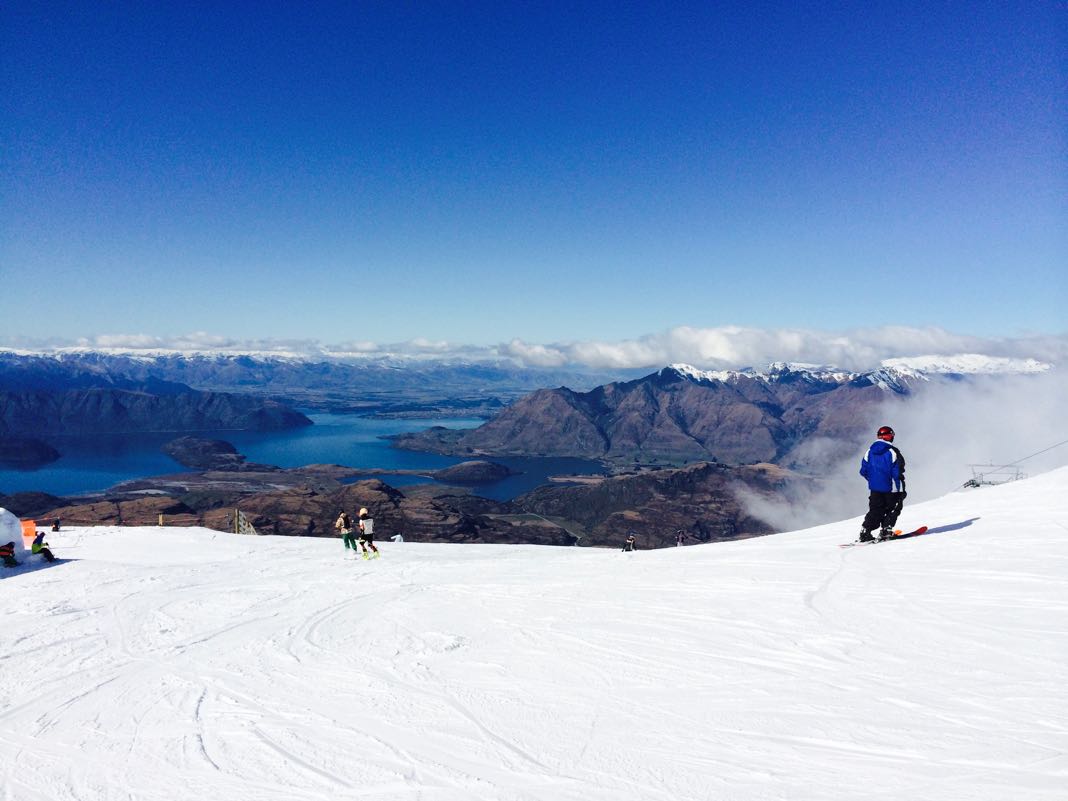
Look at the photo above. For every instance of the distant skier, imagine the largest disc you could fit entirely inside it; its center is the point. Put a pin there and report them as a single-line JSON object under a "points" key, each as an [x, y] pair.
{"points": [[630, 543], [680, 535], [344, 525], [367, 534], [884, 468], [42, 547]]}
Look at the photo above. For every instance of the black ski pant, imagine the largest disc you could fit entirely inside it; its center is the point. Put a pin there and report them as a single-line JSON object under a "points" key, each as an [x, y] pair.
{"points": [[883, 509]]}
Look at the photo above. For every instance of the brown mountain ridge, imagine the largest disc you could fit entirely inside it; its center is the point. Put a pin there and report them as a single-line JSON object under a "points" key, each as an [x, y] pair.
{"points": [[677, 415]]}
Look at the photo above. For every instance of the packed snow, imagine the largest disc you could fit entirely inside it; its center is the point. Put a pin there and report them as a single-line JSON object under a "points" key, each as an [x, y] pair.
{"points": [[191, 664]]}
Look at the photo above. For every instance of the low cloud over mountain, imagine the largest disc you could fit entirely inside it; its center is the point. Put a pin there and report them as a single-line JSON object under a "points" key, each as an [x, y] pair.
{"points": [[723, 347]]}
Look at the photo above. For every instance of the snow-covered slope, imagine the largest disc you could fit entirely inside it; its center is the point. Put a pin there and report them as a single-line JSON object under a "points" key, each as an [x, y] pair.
{"points": [[188, 664]]}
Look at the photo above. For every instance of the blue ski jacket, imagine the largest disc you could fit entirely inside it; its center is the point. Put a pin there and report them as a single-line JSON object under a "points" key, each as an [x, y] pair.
{"points": [[883, 466]]}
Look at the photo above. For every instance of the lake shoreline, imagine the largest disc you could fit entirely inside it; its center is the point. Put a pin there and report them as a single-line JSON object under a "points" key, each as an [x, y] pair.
{"points": [[93, 467]]}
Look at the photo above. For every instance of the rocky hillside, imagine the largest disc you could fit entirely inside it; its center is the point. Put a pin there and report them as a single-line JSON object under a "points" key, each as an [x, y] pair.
{"points": [[25, 453], [310, 507], [703, 500], [99, 410], [679, 414]]}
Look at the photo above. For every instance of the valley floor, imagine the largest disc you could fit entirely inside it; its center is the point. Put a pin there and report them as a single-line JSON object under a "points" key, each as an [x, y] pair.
{"points": [[190, 664]]}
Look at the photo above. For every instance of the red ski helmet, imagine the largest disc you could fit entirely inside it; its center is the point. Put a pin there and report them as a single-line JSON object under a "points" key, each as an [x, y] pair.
{"points": [[885, 432]]}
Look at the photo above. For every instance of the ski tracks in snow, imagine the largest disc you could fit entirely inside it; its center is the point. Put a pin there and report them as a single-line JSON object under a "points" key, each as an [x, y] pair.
{"points": [[745, 670]]}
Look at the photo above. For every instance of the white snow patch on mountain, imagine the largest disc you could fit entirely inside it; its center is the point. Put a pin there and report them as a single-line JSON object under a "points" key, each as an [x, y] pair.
{"points": [[967, 363], [189, 664], [893, 374], [776, 370]]}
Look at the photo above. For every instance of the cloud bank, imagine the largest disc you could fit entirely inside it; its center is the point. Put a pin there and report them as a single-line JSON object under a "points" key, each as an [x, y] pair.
{"points": [[943, 431], [725, 347]]}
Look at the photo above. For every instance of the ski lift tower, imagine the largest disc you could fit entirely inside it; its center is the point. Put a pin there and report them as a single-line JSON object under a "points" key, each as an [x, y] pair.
{"points": [[989, 475]]}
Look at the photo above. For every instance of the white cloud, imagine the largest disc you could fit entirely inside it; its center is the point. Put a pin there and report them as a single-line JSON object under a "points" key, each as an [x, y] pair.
{"points": [[534, 355], [859, 349], [723, 347]]}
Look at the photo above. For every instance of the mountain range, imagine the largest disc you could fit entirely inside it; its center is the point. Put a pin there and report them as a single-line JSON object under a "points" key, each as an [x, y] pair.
{"points": [[675, 415], [681, 414], [394, 387], [699, 428]]}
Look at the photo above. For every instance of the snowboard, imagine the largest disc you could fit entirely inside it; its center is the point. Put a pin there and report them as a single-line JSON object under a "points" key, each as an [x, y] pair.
{"points": [[898, 535]]}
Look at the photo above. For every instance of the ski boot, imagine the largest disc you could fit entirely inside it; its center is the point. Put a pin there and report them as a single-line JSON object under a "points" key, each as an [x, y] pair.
{"points": [[886, 533], [865, 536]]}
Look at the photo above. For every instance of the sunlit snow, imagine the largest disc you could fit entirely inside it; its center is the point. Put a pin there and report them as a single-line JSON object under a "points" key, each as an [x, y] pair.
{"points": [[191, 664]]}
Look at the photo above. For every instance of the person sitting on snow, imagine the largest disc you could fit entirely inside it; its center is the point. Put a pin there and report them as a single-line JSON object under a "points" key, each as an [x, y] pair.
{"points": [[42, 547], [7, 555]]}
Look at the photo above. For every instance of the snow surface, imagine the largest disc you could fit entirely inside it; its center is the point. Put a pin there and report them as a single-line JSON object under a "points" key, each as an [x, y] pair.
{"points": [[191, 664]]}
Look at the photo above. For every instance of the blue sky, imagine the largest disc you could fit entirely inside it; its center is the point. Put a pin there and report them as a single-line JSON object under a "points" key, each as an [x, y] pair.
{"points": [[487, 172]]}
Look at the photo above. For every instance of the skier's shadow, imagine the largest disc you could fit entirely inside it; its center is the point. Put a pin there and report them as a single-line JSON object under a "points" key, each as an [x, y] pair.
{"points": [[953, 526]]}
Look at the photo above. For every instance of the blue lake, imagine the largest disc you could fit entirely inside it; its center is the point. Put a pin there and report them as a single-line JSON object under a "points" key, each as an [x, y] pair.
{"points": [[91, 464]]}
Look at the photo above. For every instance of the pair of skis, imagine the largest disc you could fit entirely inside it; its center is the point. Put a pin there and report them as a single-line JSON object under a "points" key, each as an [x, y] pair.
{"points": [[898, 535]]}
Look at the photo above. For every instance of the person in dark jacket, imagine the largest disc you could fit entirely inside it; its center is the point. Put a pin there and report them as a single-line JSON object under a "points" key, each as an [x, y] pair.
{"points": [[7, 555], [884, 468]]}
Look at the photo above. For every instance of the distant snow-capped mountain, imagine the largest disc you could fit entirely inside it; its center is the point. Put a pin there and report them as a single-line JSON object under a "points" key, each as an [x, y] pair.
{"points": [[350, 383], [335, 383], [774, 371], [967, 364], [682, 413], [817, 377], [890, 371]]}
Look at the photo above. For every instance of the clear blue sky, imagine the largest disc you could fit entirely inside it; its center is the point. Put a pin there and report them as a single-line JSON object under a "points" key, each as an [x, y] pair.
{"points": [[549, 171]]}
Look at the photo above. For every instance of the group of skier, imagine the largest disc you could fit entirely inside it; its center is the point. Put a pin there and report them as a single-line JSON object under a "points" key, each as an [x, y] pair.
{"points": [[631, 542], [361, 532]]}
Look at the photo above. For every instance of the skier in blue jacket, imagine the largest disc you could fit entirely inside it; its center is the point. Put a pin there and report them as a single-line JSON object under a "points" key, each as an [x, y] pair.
{"points": [[884, 467]]}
